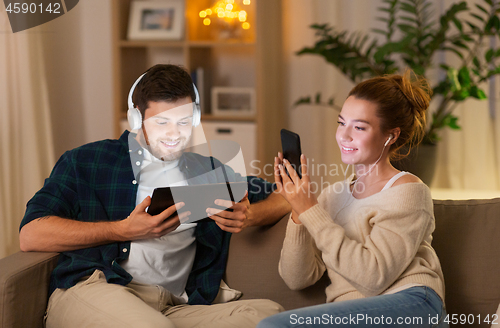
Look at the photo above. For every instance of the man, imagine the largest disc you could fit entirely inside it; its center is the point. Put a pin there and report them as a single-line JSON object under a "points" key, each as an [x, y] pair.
{"points": [[120, 266]]}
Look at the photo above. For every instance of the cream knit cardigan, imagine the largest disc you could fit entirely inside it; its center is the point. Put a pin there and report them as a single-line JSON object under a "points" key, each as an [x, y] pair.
{"points": [[369, 246]]}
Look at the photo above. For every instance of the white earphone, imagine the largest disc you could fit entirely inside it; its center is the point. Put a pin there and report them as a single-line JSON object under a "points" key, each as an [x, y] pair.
{"points": [[388, 140], [134, 116]]}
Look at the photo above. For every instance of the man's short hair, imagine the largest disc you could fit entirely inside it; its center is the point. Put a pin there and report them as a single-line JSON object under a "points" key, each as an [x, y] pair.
{"points": [[163, 82]]}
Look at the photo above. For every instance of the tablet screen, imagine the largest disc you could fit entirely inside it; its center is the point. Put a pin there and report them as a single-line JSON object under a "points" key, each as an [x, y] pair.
{"points": [[196, 197]]}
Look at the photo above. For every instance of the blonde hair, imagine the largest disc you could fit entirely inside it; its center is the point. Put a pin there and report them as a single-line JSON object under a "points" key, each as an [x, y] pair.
{"points": [[402, 101]]}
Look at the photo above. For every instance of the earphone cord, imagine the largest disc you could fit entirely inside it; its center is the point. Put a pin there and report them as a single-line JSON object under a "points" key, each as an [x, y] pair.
{"points": [[362, 175]]}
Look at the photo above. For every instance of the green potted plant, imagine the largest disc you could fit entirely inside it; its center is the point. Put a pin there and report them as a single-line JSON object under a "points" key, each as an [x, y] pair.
{"points": [[412, 38]]}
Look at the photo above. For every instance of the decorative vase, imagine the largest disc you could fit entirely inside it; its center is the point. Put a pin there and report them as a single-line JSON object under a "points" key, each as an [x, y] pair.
{"points": [[421, 162]]}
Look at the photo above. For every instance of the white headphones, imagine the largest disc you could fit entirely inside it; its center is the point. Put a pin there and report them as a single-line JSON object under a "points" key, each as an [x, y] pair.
{"points": [[388, 140], [134, 116]]}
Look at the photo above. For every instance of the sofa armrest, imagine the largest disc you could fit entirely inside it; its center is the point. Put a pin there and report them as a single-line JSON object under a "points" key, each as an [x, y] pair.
{"points": [[24, 285]]}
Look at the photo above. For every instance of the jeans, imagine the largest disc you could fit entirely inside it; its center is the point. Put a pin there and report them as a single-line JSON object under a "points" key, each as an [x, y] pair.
{"points": [[412, 307]]}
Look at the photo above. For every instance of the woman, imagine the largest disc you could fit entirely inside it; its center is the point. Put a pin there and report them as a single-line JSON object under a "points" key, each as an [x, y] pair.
{"points": [[372, 232]]}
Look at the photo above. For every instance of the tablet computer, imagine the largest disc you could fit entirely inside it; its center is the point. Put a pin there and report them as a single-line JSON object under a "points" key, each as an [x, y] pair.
{"points": [[196, 197]]}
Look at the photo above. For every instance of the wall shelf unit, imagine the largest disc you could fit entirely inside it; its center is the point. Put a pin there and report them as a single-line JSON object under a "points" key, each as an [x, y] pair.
{"points": [[254, 60]]}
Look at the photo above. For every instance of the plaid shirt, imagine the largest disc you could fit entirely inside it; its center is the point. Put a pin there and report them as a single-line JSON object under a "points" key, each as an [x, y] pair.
{"points": [[96, 182]]}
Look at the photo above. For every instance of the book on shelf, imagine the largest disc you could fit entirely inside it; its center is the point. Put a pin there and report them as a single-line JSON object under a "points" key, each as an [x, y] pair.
{"points": [[199, 77]]}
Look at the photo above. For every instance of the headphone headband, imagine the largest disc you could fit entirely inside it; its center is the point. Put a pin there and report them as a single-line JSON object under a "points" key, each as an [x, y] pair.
{"points": [[134, 115]]}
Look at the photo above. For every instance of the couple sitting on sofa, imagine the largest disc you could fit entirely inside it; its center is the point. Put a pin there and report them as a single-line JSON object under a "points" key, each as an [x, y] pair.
{"points": [[121, 266]]}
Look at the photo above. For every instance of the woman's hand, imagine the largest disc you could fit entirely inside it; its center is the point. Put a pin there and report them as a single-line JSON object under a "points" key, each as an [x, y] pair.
{"points": [[296, 191]]}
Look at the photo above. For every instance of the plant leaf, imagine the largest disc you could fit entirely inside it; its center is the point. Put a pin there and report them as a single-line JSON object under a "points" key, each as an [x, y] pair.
{"points": [[451, 121], [379, 31], [458, 24], [477, 93], [464, 77], [489, 55], [460, 44], [478, 17], [458, 53], [303, 100], [317, 99], [482, 9], [453, 79], [476, 62], [408, 8], [473, 27], [407, 28]]}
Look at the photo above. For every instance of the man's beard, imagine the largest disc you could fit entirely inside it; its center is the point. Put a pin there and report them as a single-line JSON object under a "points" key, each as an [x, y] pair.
{"points": [[159, 152]]}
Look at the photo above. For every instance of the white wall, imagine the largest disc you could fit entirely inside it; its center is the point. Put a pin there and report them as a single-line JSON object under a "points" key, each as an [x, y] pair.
{"points": [[78, 56]]}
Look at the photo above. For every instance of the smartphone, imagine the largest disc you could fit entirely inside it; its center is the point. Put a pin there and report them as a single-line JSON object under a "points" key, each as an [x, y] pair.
{"points": [[290, 143]]}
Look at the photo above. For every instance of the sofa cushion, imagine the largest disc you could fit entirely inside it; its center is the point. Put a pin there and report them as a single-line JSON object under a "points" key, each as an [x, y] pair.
{"points": [[253, 268], [466, 241]]}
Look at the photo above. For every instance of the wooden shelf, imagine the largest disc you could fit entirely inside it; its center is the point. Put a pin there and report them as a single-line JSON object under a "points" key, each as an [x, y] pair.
{"points": [[255, 61], [208, 117], [182, 43], [151, 43], [228, 43]]}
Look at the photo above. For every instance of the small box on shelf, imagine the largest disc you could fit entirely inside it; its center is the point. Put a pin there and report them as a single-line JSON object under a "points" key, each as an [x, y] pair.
{"points": [[233, 101]]}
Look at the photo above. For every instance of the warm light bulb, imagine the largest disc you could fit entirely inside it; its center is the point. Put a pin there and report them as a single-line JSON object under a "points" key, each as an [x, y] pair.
{"points": [[220, 14], [220, 10], [209, 12], [230, 1], [245, 26], [229, 7], [246, 2], [206, 21], [242, 16], [203, 13]]}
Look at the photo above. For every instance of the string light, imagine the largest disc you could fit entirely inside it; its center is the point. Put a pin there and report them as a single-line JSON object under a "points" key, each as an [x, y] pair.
{"points": [[227, 10]]}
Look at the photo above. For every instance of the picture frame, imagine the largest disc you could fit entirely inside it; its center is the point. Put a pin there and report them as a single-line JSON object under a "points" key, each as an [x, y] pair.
{"points": [[156, 20], [233, 101]]}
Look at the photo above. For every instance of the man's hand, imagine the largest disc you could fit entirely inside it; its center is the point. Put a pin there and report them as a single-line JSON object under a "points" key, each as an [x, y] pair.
{"points": [[141, 225], [235, 221]]}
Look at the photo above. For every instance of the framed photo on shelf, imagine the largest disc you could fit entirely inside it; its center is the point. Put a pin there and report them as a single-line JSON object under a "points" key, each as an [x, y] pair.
{"points": [[156, 20], [232, 101]]}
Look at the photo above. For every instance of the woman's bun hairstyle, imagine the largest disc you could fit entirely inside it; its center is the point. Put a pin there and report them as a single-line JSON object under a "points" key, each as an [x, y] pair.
{"points": [[402, 101]]}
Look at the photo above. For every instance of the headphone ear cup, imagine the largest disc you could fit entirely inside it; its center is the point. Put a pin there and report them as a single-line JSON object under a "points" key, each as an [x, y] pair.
{"points": [[134, 118], [196, 114]]}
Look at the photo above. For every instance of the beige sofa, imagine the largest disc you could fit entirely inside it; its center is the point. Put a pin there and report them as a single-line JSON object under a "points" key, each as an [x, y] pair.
{"points": [[466, 239]]}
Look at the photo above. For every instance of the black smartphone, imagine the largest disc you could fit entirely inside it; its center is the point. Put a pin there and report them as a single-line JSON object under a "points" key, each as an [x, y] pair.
{"points": [[290, 142]]}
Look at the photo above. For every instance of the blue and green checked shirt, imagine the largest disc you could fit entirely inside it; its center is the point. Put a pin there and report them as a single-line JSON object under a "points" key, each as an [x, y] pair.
{"points": [[96, 182]]}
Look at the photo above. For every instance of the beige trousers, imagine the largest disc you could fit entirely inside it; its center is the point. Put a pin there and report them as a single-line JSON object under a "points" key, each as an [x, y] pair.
{"points": [[95, 303]]}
